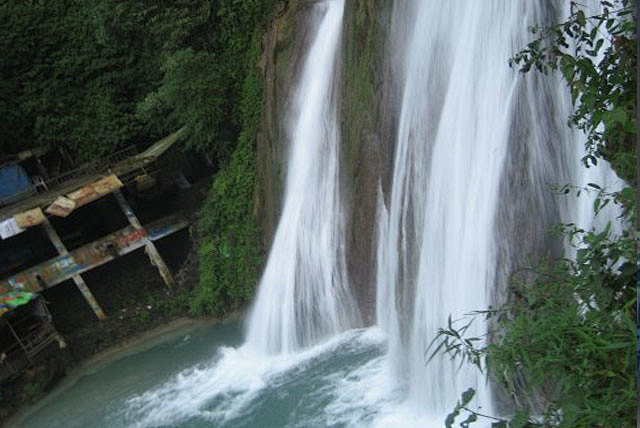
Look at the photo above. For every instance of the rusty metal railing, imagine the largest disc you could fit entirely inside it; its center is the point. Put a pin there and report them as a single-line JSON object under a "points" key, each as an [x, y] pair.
{"points": [[92, 168]]}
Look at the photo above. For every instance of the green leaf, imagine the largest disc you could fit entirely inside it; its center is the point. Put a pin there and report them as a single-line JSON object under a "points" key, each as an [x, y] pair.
{"points": [[568, 72], [451, 418], [521, 418], [596, 204], [581, 18], [467, 396], [629, 269], [470, 419], [598, 45], [619, 345]]}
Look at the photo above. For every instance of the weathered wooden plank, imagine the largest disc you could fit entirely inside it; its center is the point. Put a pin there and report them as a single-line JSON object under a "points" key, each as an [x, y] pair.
{"points": [[30, 218], [151, 250], [89, 256], [95, 190], [82, 286]]}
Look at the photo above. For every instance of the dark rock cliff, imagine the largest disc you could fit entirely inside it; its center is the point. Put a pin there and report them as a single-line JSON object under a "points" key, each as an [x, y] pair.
{"points": [[367, 138], [283, 48]]}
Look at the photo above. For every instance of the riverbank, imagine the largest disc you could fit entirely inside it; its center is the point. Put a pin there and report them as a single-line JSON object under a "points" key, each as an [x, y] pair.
{"points": [[137, 321], [139, 307], [138, 343]]}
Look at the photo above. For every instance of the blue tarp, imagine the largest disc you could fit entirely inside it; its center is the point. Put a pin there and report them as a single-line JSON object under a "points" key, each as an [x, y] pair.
{"points": [[14, 182]]}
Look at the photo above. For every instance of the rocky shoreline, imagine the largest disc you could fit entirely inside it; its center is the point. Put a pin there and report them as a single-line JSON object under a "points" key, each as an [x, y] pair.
{"points": [[89, 345], [139, 308]]}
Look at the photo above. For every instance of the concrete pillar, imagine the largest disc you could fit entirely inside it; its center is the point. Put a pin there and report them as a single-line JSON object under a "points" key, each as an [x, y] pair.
{"points": [[150, 248], [82, 286]]}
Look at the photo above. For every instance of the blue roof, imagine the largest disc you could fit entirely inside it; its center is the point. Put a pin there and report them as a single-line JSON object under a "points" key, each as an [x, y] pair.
{"points": [[14, 183]]}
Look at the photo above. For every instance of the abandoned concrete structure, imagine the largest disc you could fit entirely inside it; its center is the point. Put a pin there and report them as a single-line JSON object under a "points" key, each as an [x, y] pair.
{"points": [[43, 243]]}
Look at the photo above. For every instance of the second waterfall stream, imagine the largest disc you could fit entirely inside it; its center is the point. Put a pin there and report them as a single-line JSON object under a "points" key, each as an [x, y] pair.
{"points": [[478, 148]]}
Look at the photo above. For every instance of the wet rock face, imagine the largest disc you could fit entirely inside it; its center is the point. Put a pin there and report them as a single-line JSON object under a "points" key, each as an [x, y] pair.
{"points": [[283, 49], [367, 139], [367, 128]]}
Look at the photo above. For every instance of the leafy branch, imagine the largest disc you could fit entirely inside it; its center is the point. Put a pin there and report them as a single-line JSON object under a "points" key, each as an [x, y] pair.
{"points": [[597, 56]]}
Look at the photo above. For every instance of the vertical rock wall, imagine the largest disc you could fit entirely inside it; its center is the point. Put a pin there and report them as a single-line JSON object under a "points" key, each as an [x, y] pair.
{"points": [[367, 138], [283, 49]]}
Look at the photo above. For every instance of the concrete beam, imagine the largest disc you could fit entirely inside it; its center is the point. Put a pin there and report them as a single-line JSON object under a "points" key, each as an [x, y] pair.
{"points": [[89, 256], [154, 256], [82, 286]]}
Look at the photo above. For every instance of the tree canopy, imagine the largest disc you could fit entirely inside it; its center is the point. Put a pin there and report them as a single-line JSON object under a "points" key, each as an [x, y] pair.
{"points": [[96, 75]]}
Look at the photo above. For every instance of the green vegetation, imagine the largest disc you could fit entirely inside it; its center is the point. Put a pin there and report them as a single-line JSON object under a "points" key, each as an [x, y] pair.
{"points": [[67, 80], [603, 89], [566, 339], [94, 76], [32, 389], [230, 252]]}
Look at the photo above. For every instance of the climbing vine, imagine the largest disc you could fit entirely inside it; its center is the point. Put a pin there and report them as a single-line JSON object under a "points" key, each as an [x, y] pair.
{"points": [[230, 251]]}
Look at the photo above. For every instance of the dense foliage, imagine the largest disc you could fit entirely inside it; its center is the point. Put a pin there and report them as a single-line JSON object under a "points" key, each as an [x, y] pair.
{"points": [[66, 82], [92, 76], [564, 345], [597, 55], [230, 251]]}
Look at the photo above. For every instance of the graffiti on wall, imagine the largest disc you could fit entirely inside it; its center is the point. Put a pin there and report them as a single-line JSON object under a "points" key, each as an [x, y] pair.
{"points": [[89, 256]]}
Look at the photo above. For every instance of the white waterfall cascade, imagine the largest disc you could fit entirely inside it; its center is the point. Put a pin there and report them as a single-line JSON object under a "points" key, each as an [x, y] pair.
{"points": [[304, 294], [463, 110]]}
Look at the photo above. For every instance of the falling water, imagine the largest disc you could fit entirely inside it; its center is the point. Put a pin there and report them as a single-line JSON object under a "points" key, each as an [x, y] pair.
{"points": [[304, 295], [478, 147]]}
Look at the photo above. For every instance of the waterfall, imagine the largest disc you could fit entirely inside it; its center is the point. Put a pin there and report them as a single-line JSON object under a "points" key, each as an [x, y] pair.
{"points": [[478, 147], [453, 135], [304, 294]]}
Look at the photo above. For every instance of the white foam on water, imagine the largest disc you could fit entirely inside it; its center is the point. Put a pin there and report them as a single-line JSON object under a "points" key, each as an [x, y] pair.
{"points": [[225, 388], [369, 396]]}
